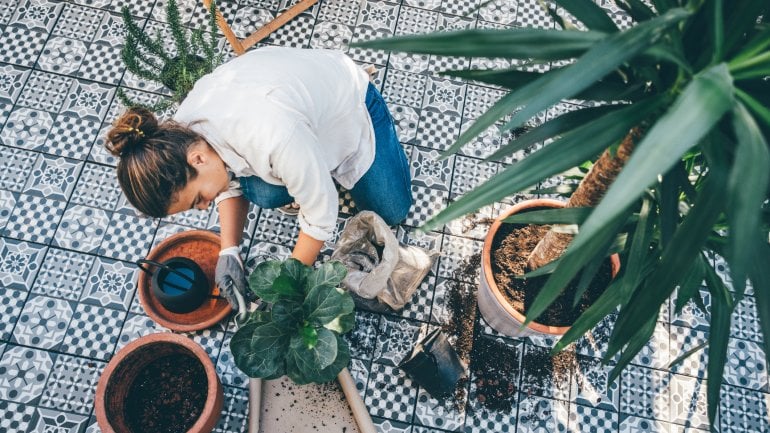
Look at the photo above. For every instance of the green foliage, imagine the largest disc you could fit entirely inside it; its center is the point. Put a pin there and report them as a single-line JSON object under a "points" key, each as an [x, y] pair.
{"points": [[147, 57], [301, 335], [693, 77]]}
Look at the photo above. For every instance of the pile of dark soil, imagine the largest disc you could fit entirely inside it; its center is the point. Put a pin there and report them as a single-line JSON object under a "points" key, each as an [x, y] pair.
{"points": [[167, 396], [511, 247]]}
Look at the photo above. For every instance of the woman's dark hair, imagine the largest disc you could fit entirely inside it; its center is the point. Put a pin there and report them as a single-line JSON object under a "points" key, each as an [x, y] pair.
{"points": [[153, 165]]}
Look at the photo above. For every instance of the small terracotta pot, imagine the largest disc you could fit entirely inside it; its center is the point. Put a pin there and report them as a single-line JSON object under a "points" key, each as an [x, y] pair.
{"points": [[117, 378], [202, 247], [495, 308]]}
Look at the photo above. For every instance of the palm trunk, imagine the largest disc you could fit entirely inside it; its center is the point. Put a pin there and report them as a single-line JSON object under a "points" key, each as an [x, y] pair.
{"points": [[588, 194]]}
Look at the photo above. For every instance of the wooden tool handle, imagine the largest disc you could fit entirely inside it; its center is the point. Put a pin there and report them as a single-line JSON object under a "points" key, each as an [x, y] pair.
{"points": [[255, 404], [357, 406]]}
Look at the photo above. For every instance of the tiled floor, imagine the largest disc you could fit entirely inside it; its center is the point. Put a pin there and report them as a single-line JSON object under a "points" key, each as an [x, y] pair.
{"points": [[68, 237]]}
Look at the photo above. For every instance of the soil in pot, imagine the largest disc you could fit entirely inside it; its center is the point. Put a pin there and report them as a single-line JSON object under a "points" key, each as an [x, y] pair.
{"points": [[168, 395], [511, 247]]}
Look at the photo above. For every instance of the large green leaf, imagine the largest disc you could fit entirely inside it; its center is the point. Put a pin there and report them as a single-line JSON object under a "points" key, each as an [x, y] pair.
{"points": [[571, 149], [342, 324], [286, 313], [677, 256], [596, 246], [517, 43], [756, 107], [745, 198], [258, 348], [552, 128], [599, 61], [640, 338], [636, 9], [590, 14], [328, 274], [719, 334], [759, 43], [566, 215], [741, 18], [692, 116], [284, 287], [302, 372], [262, 277], [754, 67], [691, 284], [297, 271], [605, 89], [324, 303]]}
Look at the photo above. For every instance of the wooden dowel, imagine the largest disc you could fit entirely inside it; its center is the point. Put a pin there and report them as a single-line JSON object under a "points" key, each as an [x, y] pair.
{"points": [[238, 47], [357, 406], [277, 22]]}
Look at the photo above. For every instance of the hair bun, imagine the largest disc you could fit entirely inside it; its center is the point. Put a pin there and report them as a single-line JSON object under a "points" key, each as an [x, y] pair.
{"points": [[131, 130]]}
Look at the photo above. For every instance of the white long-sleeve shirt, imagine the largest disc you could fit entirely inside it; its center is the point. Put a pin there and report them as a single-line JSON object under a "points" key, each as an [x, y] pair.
{"points": [[293, 117]]}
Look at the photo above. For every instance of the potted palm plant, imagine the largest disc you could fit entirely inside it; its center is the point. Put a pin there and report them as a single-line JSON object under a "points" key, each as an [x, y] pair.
{"points": [[679, 108], [146, 56]]}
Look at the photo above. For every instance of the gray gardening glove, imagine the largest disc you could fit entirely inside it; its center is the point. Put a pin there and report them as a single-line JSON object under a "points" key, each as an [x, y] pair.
{"points": [[231, 279]]}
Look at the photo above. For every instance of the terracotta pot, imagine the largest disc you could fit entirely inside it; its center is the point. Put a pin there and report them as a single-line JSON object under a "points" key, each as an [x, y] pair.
{"points": [[117, 378], [495, 308], [202, 247]]}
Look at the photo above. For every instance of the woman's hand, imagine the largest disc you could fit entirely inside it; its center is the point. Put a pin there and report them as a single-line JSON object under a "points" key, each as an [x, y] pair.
{"points": [[231, 280]]}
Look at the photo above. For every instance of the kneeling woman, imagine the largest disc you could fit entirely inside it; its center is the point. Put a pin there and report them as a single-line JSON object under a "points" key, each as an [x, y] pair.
{"points": [[275, 126]]}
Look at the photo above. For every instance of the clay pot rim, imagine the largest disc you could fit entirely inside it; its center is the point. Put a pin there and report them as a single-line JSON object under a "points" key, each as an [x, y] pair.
{"points": [[214, 396], [486, 257], [156, 312]]}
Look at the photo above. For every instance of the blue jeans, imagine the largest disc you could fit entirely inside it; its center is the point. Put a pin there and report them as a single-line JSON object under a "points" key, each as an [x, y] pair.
{"points": [[385, 188]]}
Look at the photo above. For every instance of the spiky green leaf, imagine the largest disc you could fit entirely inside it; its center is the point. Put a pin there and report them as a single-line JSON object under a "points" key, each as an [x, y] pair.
{"points": [[590, 14]]}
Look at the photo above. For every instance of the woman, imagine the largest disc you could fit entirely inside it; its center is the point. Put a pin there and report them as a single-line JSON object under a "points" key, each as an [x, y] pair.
{"points": [[275, 126]]}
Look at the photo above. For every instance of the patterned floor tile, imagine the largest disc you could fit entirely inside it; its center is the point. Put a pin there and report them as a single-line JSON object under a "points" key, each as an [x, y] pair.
{"points": [[426, 203], [543, 376], [12, 79], [71, 137], [82, 228], [437, 130], [102, 63], [37, 14], [444, 96], [54, 420], [429, 171], [688, 402], [16, 417], [683, 340], [235, 412], [110, 284], [632, 424], [53, 177], [395, 340], [21, 46], [19, 263], [378, 16], [454, 249], [93, 331], [63, 274], [277, 228], [656, 353], [480, 419], [296, 32], [746, 365], [27, 128], [537, 414], [591, 385], [363, 338], [743, 410], [11, 304], [134, 327], [97, 187], [644, 392], [23, 374], [391, 426], [44, 91], [62, 55], [43, 322], [127, 237], [71, 384], [499, 12], [390, 394], [406, 120], [419, 306], [592, 420], [88, 100], [34, 219], [413, 20], [228, 373], [78, 22], [404, 88], [745, 321], [7, 203], [443, 415], [373, 57], [691, 315]]}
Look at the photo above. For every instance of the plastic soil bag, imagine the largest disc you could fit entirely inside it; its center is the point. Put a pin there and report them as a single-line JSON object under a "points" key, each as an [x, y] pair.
{"points": [[382, 273]]}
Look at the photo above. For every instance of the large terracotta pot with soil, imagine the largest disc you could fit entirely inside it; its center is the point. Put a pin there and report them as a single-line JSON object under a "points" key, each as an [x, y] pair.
{"points": [[159, 383], [503, 298], [202, 247]]}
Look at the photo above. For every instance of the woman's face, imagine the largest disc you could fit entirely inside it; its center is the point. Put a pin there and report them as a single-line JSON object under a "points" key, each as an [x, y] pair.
{"points": [[211, 180]]}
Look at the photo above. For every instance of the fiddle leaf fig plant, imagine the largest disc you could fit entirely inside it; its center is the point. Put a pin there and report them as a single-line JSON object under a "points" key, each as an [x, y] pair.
{"points": [[301, 334]]}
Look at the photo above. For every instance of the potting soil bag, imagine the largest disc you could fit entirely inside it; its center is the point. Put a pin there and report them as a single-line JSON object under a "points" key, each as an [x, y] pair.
{"points": [[382, 273]]}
